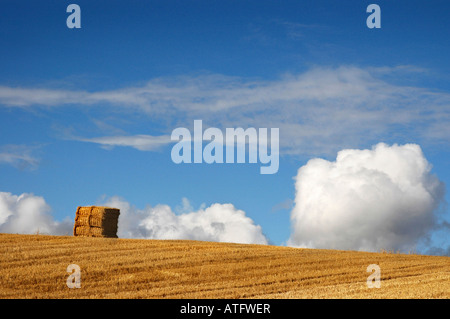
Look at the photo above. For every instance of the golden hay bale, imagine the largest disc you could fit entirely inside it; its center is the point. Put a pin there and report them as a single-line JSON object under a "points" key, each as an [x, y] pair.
{"points": [[96, 221], [87, 231], [98, 211]]}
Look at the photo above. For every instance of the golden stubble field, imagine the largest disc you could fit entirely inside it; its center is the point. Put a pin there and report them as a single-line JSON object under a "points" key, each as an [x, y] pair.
{"points": [[35, 266]]}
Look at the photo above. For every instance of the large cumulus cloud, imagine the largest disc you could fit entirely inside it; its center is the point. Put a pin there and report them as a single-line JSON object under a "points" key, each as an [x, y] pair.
{"points": [[380, 198]]}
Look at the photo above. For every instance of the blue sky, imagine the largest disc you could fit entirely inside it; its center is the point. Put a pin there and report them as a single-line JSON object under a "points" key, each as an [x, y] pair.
{"points": [[74, 101]]}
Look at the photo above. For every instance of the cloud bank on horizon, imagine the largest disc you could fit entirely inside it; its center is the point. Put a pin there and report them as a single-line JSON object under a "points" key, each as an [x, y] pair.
{"points": [[218, 222], [371, 199], [30, 214]]}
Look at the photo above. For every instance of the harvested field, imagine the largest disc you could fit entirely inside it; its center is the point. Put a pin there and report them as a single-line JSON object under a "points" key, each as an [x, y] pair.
{"points": [[35, 266]]}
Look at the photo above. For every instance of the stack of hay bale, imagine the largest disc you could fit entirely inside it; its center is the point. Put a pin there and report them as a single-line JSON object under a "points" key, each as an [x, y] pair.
{"points": [[96, 221]]}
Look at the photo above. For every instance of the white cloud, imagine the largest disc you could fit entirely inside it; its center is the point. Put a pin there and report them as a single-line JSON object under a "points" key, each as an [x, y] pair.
{"points": [[379, 198], [139, 142], [29, 214], [318, 112], [20, 156], [218, 222], [23, 97]]}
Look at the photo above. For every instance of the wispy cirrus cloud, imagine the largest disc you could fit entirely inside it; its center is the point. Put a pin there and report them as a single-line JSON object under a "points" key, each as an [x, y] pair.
{"points": [[19, 156], [139, 142], [318, 112]]}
